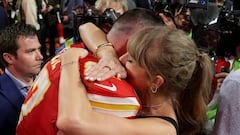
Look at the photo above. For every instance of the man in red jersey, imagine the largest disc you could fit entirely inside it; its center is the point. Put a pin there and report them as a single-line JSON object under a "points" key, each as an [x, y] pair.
{"points": [[114, 96]]}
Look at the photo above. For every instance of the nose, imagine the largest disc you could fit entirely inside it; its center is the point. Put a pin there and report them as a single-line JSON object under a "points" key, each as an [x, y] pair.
{"points": [[123, 59], [39, 55]]}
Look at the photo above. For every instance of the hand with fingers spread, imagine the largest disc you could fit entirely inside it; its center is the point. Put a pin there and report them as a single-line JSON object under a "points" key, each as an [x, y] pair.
{"points": [[107, 67], [168, 21], [109, 64]]}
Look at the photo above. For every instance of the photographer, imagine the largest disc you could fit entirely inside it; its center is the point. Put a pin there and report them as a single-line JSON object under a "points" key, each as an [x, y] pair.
{"points": [[66, 8], [176, 15]]}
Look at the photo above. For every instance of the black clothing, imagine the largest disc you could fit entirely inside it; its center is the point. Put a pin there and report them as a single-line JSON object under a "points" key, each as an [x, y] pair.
{"points": [[3, 17], [172, 121]]}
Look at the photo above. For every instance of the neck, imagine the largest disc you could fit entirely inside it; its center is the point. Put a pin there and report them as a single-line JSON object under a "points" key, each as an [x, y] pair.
{"points": [[152, 100], [154, 105], [27, 79], [165, 108]]}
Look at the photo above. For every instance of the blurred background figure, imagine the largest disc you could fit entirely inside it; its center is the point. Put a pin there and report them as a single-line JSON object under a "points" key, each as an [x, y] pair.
{"points": [[149, 4], [3, 17], [66, 8], [120, 6], [35, 15], [3, 23], [131, 4]]}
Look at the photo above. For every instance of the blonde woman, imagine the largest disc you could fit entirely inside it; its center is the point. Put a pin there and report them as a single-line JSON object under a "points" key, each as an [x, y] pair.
{"points": [[171, 78]]}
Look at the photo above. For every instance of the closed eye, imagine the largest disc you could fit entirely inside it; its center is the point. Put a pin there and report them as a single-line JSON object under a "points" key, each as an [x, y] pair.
{"points": [[130, 61]]}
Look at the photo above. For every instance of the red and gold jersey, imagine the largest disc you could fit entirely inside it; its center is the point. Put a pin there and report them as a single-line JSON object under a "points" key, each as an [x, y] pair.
{"points": [[39, 110]]}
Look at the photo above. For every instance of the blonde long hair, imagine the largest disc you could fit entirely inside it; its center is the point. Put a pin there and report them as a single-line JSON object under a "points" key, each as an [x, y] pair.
{"points": [[186, 72]]}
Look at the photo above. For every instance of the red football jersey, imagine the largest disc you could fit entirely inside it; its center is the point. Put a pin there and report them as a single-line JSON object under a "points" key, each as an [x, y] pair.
{"points": [[39, 110]]}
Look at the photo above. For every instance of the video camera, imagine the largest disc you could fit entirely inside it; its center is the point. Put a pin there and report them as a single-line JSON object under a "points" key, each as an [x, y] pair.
{"points": [[84, 14], [229, 15], [226, 33], [229, 28], [168, 6]]}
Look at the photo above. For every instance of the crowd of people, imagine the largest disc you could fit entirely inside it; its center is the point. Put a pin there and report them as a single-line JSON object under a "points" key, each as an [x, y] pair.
{"points": [[146, 74]]}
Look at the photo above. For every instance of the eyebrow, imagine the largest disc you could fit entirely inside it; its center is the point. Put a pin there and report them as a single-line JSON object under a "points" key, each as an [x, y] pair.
{"points": [[32, 49]]}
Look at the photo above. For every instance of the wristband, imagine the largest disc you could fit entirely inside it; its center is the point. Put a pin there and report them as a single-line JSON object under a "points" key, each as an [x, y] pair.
{"points": [[69, 63], [101, 46]]}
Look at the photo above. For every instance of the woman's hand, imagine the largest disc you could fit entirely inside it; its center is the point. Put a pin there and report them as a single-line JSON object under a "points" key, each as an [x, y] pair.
{"points": [[108, 66], [72, 55]]}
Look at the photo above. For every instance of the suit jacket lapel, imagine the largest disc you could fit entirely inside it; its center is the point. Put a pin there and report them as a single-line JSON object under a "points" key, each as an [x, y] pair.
{"points": [[11, 92]]}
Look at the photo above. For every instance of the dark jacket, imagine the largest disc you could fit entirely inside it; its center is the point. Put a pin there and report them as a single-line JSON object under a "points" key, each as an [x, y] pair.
{"points": [[11, 100], [3, 18]]}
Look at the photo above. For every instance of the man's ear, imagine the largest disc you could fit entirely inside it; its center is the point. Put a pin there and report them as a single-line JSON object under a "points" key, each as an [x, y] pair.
{"points": [[158, 81], [8, 58]]}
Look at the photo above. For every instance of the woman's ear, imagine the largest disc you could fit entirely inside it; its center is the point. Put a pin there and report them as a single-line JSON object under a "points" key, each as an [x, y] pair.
{"points": [[158, 81]]}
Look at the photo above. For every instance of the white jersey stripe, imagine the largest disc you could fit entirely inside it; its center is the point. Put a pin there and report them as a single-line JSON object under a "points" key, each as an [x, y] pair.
{"points": [[128, 113], [113, 100]]}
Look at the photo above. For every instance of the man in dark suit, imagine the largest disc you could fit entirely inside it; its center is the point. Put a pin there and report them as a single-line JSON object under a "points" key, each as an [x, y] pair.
{"points": [[20, 53]]}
